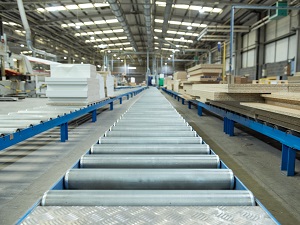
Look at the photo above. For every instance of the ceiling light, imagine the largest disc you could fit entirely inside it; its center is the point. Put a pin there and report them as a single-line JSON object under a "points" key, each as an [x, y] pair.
{"points": [[175, 22], [189, 27], [71, 6], [131, 67], [169, 58], [182, 38], [55, 8], [177, 46], [100, 22], [115, 55], [92, 38], [21, 45], [86, 6], [65, 57], [166, 63], [89, 23], [122, 60], [81, 62], [118, 58], [101, 4], [112, 21], [121, 49], [191, 7], [171, 55], [109, 51], [99, 66], [40, 9], [77, 27]]}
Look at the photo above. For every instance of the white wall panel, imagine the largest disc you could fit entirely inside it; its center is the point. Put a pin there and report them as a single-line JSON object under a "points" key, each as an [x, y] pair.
{"points": [[270, 30], [292, 47], [244, 60], [251, 58], [281, 50], [294, 18], [283, 26], [252, 38], [245, 41], [270, 53]]}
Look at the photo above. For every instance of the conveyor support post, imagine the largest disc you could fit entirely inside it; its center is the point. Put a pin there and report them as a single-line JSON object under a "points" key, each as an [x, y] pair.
{"points": [[64, 132]]}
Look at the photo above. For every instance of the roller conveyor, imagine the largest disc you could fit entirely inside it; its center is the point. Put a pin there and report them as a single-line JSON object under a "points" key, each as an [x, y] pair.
{"points": [[147, 197], [150, 149], [151, 161]]}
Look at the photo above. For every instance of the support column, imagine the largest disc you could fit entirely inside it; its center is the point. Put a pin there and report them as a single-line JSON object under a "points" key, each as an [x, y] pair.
{"points": [[111, 107], [64, 132], [199, 110], [94, 116], [260, 51], [228, 126], [190, 104], [238, 53], [182, 101], [121, 100], [288, 157]]}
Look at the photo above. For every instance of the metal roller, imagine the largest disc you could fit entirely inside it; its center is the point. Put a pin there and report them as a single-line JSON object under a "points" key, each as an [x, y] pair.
{"points": [[148, 198], [150, 161], [22, 122], [24, 117], [150, 140], [151, 134], [151, 129], [156, 120], [152, 123], [5, 131], [150, 179], [150, 149]]}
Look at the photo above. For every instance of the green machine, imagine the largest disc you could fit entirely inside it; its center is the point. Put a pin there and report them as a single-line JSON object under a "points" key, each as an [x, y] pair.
{"points": [[276, 14]]}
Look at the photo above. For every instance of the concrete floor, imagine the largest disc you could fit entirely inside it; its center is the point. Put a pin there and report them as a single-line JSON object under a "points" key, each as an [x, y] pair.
{"points": [[254, 162], [30, 168]]}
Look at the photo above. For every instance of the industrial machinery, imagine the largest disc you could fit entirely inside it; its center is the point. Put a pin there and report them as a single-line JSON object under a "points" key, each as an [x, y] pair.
{"points": [[150, 167]]}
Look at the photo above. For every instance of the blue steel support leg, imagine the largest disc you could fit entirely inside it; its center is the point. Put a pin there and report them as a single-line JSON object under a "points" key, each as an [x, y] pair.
{"points": [[230, 127], [291, 162], [182, 101], [111, 106], [64, 132], [127, 97], [284, 157], [121, 100], [190, 105], [225, 125], [94, 115], [199, 110], [178, 98]]}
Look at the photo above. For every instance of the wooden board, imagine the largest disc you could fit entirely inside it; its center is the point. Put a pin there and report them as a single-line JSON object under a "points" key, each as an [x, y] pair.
{"points": [[205, 66]]}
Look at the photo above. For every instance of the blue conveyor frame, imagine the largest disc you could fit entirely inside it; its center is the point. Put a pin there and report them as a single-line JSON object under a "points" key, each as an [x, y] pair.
{"points": [[62, 121], [290, 143]]}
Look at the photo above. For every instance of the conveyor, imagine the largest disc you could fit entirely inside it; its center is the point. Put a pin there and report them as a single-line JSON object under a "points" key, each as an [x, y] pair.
{"points": [[149, 161]]}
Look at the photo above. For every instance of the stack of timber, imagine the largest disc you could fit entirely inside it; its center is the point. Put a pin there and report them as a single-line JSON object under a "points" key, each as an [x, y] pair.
{"points": [[294, 79], [109, 83], [179, 77], [205, 73], [169, 83]]}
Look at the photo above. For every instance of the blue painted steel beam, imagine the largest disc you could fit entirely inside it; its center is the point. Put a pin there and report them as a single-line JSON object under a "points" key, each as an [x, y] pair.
{"points": [[14, 138], [94, 115]]}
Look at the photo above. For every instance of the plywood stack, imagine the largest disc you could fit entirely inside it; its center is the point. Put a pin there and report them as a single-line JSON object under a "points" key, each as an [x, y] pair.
{"points": [[179, 77], [231, 92], [294, 79], [169, 83], [205, 73], [73, 84]]}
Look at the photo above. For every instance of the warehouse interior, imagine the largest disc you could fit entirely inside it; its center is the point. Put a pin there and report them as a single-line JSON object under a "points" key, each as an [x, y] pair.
{"points": [[149, 112]]}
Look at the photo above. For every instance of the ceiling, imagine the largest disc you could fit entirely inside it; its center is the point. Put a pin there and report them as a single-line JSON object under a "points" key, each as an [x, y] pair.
{"points": [[85, 29]]}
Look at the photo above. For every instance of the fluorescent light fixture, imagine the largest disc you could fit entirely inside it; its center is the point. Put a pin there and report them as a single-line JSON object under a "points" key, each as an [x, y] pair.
{"points": [[15, 60], [121, 49], [89, 23], [166, 63], [159, 21], [169, 58], [189, 27], [101, 5], [182, 38], [72, 6], [40, 9], [18, 31], [65, 57], [112, 21], [122, 60], [55, 8], [86, 6], [109, 51], [100, 22], [92, 38], [77, 27], [181, 23], [157, 30], [171, 55], [191, 7], [98, 66], [22, 46], [115, 55], [118, 58], [175, 22], [131, 67]]}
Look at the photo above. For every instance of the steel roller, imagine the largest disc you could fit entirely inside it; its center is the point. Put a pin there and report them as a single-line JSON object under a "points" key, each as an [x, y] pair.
{"points": [[148, 198], [149, 161], [150, 140], [150, 134], [151, 129], [150, 149], [150, 179], [152, 123], [150, 120]]}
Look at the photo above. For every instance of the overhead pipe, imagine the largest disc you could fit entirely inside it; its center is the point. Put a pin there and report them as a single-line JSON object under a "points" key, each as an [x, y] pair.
{"points": [[28, 32], [118, 12], [147, 15]]}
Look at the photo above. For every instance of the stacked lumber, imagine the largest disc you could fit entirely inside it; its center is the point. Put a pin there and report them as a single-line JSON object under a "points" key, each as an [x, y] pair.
{"points": [[205, 73], [169, 83], [294, 79], [109, 83], [74, 84], [180, 75]]}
